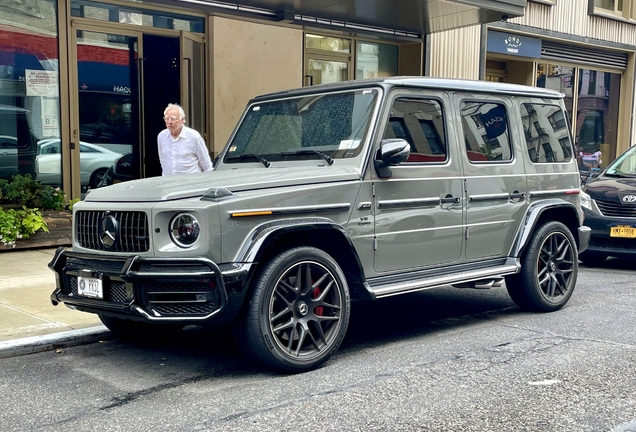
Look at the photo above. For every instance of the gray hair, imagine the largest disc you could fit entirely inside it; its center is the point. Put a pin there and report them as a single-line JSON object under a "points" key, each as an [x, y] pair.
{"points": [[181, 112]]}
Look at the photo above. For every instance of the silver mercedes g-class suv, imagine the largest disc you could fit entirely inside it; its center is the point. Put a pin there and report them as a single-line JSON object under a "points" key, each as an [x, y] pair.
{"points": [[333, 193]]}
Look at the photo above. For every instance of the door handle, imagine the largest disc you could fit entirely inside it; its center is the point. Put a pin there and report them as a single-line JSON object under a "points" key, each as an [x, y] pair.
{"points": [[449, 199], [518, 195]]}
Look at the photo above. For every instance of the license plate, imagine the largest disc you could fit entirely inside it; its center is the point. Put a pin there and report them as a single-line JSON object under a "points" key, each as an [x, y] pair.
{"points": [[623, 231], [90, 287]]}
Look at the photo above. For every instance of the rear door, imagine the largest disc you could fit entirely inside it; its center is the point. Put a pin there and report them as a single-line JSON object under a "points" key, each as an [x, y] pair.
{"points": [[495, 180]]}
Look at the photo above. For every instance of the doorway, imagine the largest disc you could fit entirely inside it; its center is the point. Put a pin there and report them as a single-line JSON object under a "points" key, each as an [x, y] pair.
{"points": [[124, 80]]}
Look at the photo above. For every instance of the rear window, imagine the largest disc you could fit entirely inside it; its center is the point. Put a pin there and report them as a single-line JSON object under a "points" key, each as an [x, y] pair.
{"points": [[486, 136], [545, 128]]}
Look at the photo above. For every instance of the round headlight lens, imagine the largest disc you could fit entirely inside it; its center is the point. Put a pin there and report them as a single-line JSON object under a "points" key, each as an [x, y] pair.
{"points": [[184, 230]]}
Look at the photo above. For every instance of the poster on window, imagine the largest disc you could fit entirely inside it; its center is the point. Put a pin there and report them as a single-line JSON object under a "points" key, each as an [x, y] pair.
{"points": [[41, 83]]}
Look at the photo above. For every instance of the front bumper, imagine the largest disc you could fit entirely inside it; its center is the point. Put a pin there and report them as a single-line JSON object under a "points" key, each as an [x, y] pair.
{"points": [[601, 243], [186, 291]]}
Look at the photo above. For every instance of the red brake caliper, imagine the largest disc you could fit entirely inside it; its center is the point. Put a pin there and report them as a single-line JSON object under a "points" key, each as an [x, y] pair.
{"points": [[315, 295]]}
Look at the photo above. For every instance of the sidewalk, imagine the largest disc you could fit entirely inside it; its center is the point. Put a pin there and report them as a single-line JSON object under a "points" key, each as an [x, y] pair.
{"points": [[28, 320]]}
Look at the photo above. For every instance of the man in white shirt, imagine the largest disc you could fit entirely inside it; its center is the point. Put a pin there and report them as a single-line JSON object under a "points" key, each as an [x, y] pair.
{"points": [[181, 149]]}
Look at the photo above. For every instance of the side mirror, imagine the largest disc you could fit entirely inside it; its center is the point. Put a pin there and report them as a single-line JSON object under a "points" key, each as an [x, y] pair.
{"points": [[391, 152]]}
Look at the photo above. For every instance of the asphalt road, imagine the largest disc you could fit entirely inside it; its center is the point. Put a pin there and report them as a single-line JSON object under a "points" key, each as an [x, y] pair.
{"points": [[441, 360]]}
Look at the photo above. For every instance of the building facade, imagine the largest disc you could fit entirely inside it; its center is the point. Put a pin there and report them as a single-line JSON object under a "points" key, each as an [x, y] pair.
{"points": [[85, 82]]}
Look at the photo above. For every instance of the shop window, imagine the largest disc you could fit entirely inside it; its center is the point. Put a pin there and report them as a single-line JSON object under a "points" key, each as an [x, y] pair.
{"points": [[597, 113], [485, 127], [547, 138], [559, 78], [617, 8], [138, 16], [420, 122], [376, 60], [29, 90], [331, 59]]}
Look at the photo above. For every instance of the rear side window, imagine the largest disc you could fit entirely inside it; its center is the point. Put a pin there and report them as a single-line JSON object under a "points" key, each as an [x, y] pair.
{"points": [[420, 122], [486, 135], [546, 132]]}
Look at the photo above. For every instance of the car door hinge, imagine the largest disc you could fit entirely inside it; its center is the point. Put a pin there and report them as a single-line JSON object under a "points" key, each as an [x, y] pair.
{"points": [[372, 189], [467, 235], [375, 243]]}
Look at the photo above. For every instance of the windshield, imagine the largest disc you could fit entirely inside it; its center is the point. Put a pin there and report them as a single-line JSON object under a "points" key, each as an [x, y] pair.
{"points": [[323, 126], [625, 165]]}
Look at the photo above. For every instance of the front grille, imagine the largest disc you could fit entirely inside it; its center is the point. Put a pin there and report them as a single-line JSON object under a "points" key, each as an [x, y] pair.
{"points": [[616, 209], [132, 233]]}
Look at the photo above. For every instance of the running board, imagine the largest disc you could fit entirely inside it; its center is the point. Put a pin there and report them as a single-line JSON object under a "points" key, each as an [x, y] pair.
{"points": [[412, 285]]}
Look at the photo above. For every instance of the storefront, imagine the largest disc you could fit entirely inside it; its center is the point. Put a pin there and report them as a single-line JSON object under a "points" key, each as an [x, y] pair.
{"points": [[590, 77], [93, 77]]}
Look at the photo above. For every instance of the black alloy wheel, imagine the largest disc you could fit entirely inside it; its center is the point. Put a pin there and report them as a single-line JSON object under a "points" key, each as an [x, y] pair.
{"points": [[549, 269], [299, 311]]}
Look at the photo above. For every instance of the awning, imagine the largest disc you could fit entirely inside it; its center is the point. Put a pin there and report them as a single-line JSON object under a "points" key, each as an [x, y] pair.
{"points": [[410, 17], [13, 65]]}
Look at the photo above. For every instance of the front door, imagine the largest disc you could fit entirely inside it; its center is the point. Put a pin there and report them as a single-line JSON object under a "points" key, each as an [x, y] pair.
{"points": [[419, 210]]}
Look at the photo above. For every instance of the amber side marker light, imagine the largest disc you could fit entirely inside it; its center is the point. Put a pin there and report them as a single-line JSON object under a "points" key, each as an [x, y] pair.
{"points": [[255, 213]]}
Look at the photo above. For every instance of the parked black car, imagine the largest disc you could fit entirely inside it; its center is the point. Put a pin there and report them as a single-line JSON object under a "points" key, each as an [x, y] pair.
{"points": [[122, 170], [609, 204]]}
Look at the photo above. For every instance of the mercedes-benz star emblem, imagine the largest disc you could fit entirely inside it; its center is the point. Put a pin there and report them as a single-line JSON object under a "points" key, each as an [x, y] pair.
{"points": [[629, 198], [108, 231]]}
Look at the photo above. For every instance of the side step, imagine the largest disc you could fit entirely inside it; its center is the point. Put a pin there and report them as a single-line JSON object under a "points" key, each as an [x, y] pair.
{"points": [[483, 278]]}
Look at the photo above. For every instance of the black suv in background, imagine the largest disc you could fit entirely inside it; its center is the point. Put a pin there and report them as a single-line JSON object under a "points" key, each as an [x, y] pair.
{"points": [[609, 203]]}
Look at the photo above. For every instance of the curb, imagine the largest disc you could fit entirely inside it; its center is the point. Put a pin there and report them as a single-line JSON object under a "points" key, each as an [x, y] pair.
{"points": [[36, 344]]}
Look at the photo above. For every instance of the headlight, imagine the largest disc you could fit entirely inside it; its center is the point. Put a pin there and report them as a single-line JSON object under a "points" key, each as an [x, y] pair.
{"points": [[184, 230], [586, 201]]}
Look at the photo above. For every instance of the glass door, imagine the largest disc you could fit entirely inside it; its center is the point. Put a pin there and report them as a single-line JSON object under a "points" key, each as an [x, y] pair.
{"points": [[106, 129], [193, 89]]}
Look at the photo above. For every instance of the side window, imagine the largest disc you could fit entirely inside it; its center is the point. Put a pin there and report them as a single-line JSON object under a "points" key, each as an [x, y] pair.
{"points": [[420, 122], [486, 135], [547, 137]]}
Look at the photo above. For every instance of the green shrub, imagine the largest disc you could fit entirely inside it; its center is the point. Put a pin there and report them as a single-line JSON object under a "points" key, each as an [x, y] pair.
{"points": [[19, 224], [23, 190]]}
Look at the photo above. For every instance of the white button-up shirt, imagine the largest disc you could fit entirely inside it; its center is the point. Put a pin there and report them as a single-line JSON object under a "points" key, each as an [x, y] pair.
{"points": [[186, 153]]}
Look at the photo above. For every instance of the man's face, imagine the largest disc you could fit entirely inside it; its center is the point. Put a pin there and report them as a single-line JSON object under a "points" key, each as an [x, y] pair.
{"points": [[173, 120]]}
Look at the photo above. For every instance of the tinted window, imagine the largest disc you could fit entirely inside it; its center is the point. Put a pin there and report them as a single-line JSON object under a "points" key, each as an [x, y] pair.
{"points": [[547, 137], [486, 135], [420, 122]]}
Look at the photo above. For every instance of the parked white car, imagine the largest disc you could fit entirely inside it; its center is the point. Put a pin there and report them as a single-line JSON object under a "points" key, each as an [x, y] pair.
{"points": [[94, 162]]}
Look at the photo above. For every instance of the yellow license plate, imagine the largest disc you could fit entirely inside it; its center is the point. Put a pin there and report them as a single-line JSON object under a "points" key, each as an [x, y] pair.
{"points": [[623, 231]]}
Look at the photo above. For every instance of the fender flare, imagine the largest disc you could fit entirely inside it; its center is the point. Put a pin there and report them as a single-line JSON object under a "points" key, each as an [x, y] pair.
{"points": [[533, 214]]}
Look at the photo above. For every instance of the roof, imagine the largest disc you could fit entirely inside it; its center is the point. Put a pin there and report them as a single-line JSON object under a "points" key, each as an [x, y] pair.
{"points": [[449, 84]]}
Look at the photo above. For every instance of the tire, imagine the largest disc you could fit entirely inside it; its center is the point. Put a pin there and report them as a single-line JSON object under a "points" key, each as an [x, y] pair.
{"points": [[549, 269], [298, 312], [137, 330], [96, 178], [592, 260]]}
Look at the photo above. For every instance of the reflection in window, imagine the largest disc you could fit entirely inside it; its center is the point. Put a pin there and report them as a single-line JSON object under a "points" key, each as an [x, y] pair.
{"points": [[325, 43], [547, 138], [597, 114], [420, 122], [327, 72], [486, 135]]}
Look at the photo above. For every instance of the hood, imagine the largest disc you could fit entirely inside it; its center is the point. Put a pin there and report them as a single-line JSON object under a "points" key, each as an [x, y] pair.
{"points": [[235, 180], [613, 189]]}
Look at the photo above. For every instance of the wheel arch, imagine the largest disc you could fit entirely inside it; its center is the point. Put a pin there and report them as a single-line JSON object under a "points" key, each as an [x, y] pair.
{"points": [[273, 238], [539, 212]]}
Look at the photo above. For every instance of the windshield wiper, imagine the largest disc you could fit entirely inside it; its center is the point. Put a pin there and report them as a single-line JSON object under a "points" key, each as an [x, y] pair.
{"points": [[326, 157], [258, 157]]}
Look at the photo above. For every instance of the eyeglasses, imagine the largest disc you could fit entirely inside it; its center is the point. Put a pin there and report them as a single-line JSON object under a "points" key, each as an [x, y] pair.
{"points": [[172, 119]]}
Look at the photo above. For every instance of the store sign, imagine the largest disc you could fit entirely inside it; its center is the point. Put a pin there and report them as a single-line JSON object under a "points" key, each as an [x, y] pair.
{"points": [[513, 44]]}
